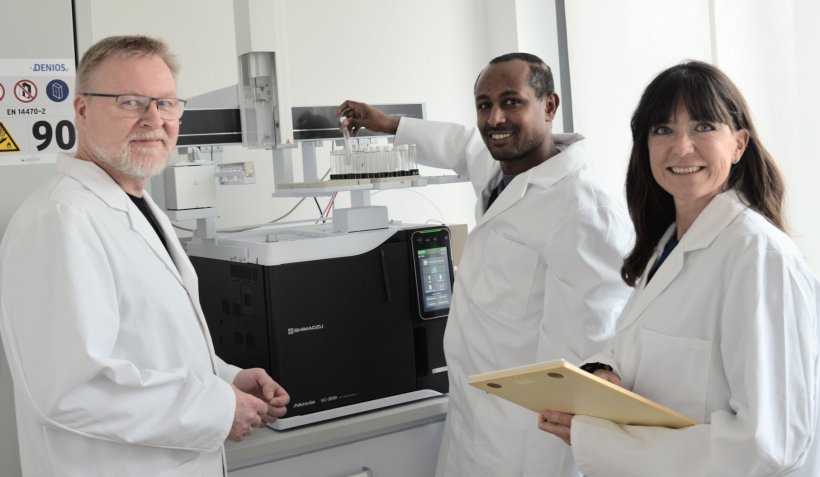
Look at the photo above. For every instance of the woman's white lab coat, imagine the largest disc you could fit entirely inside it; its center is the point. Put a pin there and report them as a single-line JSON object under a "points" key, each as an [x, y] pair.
{"points": [[113, 367], [726, 332], [539, 279]]}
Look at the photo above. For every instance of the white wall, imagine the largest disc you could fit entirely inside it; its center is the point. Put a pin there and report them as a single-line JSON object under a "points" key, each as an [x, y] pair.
{"points": [[804, 194], [615, 48], [769, 48]]}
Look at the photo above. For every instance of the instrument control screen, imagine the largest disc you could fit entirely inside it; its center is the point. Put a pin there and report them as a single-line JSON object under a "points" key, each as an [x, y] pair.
{"points": [[434, 272]]}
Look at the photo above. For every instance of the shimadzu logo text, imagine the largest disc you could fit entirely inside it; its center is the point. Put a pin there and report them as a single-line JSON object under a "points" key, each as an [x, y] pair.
{"points": [[293, 331]]}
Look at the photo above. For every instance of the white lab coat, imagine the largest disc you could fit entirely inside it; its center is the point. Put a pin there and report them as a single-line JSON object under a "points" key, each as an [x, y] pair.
{"points": [[539, 279], [726, 332], [113, 367]]}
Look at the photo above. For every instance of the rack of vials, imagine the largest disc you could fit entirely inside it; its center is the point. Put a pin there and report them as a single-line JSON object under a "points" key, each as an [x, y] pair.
{"points": [[374, 161]]}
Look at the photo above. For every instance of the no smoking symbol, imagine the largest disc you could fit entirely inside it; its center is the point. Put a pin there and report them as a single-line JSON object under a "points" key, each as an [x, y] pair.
{"points": [[25, 91]]}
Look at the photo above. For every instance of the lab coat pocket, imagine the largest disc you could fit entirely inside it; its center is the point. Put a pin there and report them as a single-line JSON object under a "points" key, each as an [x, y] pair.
{"points": [[674, 371], [503, 282]]}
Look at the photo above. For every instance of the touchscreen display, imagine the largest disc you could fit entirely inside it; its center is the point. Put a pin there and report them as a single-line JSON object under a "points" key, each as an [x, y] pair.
{"points": [[435, 281]]}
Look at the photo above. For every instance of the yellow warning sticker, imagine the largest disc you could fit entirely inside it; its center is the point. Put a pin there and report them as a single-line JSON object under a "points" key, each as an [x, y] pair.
{"points": [[7, 143]]}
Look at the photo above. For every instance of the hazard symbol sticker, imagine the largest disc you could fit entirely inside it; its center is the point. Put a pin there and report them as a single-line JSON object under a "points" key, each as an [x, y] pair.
{"points": [[7, 143], [25, 91]]}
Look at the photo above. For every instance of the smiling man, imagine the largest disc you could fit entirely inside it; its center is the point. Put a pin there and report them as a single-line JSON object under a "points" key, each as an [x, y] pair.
{"points": [[540, 275], [113, 366]]}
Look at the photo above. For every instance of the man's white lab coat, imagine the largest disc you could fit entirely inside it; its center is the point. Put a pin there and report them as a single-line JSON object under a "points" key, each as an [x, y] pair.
{"points": [[539, 279], [726, 332], [113, 367]]}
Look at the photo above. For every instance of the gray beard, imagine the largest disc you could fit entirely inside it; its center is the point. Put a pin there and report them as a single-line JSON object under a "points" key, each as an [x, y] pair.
{"points": [[122, 161]]}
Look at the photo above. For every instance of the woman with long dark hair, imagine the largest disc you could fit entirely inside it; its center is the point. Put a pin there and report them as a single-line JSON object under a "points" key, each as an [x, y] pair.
{"points": [[723, 323]]}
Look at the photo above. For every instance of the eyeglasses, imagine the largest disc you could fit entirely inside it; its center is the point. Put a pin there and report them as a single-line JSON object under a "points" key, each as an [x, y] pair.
{"points": [[136, 105]]}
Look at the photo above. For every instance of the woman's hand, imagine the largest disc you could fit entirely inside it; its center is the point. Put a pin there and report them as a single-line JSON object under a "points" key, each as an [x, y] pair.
{"points": [[560, 423], [556, 423]]}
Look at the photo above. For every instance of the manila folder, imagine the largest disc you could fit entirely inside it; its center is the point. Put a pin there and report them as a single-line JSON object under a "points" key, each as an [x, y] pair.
{"points": [[560, 386]]}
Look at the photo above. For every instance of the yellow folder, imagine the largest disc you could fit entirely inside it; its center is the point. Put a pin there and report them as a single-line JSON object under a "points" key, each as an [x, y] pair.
{"points": [[560, 386]]}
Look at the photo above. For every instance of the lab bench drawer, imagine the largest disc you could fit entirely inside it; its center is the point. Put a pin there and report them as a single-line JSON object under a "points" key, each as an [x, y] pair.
{"points": [[408, 453]]}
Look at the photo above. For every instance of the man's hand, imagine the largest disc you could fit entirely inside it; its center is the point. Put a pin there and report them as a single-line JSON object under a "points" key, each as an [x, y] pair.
{"points": [[361, 115], [257, 382], [247, 415]]}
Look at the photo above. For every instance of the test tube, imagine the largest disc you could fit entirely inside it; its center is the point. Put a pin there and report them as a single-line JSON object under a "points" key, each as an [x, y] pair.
{"points": [[384, 167], [390, 155], [361, 164], [403, 168], [414, 167], [336, 164], [372, 160]]}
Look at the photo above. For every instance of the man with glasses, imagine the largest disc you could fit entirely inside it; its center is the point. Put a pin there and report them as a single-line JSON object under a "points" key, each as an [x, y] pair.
{"points": [[113, 366]]}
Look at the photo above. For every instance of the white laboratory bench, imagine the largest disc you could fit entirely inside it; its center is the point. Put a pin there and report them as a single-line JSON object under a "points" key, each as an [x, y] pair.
{"points": [[401, 441]]}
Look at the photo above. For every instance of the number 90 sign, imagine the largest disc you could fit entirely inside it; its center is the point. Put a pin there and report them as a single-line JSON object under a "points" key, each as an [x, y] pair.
{"points": [[62, 134]]}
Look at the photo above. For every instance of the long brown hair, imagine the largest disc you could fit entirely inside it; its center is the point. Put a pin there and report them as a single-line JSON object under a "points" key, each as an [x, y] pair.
{"points": [[709, 95]]}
